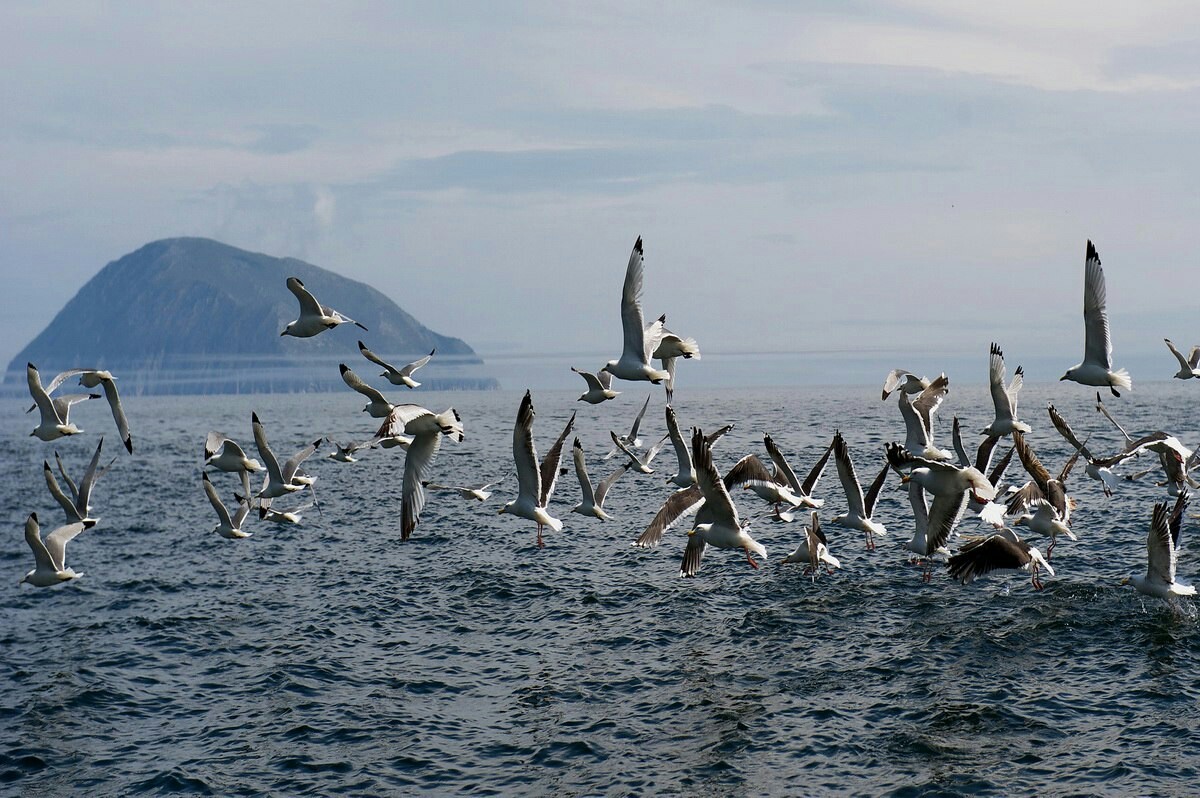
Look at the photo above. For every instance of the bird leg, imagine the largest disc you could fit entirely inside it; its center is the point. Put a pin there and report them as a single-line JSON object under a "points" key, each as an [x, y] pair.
{"points": [[540, 543], [750, 559], [1050, 549], [1037, 583], [870, 541]]}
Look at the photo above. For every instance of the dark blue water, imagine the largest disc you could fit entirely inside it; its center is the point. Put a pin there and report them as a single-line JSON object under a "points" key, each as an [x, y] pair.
{"points": [[329, 658]]}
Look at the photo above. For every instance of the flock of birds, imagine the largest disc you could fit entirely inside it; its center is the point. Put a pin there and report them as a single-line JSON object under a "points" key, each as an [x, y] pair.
{"points": [[943, 485]]}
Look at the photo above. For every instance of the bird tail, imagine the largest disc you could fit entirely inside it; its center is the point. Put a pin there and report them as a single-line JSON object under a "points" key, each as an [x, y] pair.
{"points": [[546, 519], [451, 424], [1022, 426], [1121, 379]]}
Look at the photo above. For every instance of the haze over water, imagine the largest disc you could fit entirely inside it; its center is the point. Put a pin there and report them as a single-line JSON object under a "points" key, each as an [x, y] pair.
{"points": [[331, 658]]}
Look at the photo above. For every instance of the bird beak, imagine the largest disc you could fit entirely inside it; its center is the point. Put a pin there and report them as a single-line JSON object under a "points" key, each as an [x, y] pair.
{"points": [[691, 532], [283, 333], [1063, 377], [1125, 581], [905, 479]]}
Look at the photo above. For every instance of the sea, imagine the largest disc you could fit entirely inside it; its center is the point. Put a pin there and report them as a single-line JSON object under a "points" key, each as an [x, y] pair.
{"points": [[330, 658]]}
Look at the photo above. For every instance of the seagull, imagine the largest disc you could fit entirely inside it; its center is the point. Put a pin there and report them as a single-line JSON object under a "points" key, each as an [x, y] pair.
{"points": [[78, 506], [345, 454], [599, 386], [670, 347], [785, 475], [50, 554], [224, 454], [905, 381], [314, 317], [93, 378], [949, 484], [402, 376], [54, 422], [593, 501], [683, 503], [1187, 368], [279, 481], [528, 503], [991, 511], [479, 493], [1103, 410], [1045, 521], [1096, 368], [640, 341], [685, 475], [858, 516], [639, 464], [814, 550], [1175, 458], [229, 526], [1102, 474], [292, 516], [928, 540], [1162, 548], [631, 441], [1002, 551], [918, 419], [426, 429], [722, 527], [379, 406], [1004, 399], [1042, 486]]}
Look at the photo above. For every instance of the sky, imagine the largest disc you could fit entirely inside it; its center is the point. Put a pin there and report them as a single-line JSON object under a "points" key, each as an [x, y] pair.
{"points": [[905, 181]]}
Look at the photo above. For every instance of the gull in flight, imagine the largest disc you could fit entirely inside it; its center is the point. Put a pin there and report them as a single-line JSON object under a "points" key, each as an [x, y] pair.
{"points": [[426, 429], [224, 454], [950, 486], [529, 503], [54, 423], [1162, 549], [1042, 485], [592, 503], [1002, 551], [670, 347], [1096, 368], [631, 441], [784, 475], [640, 341], [279, 481], [50, 554], [78, 506], [904, 380], [401, 376], [93, 378], [314, 317], [229, 526], [479, 493], [1189, 367], [292, 516], [722, 527], [1004, 398], [639, 464], [813, 551], [379, 406], [599, 386], [1094, 469], [345, 453], [685, 475], [918, 419], [1046, 521], [858, 516], [683, 503]]}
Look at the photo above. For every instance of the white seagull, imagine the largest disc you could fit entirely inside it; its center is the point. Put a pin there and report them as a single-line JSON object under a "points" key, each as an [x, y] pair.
{"points": [[426, 429], [479, 493], [785, 474], [918, 419], [396, 376], [639, 464], [1189, 367], [685, 474], [858, 516], [813, 551], [228, 526], [640, 341], [528, 503], [905, 381], [1096, 368], [599, 386], [50, 554], [1162, 548], [1002, 551], [78, 506], [1004, 399], [54, 422], [631, 441], [1045, 521], [670, 347], [683, 503], [379, 406], [314, 317], [92, 378], [1094, 469], [277, 482], [592, 503], [721, 527]]}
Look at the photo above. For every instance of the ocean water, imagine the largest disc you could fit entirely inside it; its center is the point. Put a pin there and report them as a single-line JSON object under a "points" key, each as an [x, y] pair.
{"points": [[330, 658]]}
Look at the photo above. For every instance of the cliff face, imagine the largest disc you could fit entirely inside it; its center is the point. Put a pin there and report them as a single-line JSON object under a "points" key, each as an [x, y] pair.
{"points": [[196, 315]]}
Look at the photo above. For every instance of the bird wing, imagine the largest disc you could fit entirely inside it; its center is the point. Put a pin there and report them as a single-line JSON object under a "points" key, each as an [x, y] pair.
{"points": [[998, 472], [982, 557], [62, 377], [693, 553], [944, 515], [873, 491], [625, 450], [293, 462], [309, 306], [89, 480], [264, 449], [593, 382], [1183, 363], [1014, 388], [416, 463], [585, 484], [1160, 551], [40, 397], [57, 492], [1030, 461], [550, 463], [529, 478], [1194, 357], [637, 422], [845, 467], [374, 358], [416, 364], [631, 305], [1065, 430], [62, 403], [70, 482], [781, 464], [1000, 400], [713, 437], [678, 505], [983, 455], [602, 488], [929, 400], [916, 434], [1097, 347], [114, 403], [959, 449], [56, 543], [716, 496], [655, 449], [682, 453], [356, 382], [920, 508], [215, 500], [1103, 409], [893, 380], [810, 482]]}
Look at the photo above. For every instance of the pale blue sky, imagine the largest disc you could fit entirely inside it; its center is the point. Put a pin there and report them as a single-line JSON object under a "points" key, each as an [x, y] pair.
{"points": [[902, 175]]}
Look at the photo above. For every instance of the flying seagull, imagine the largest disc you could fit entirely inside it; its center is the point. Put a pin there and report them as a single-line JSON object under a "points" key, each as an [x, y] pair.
{"points": [[723, 528], [228, 526], [96, 378], [528, 503], [314, 317], [1004, 398], [1096, 368], [50, 554], [54, 422], [640, 342], [396, 376], [1162, 548], [1189, 367], [599, 386], [1002, 551]]}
